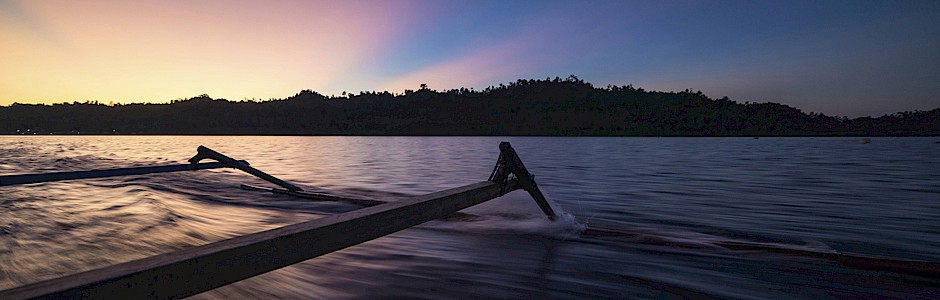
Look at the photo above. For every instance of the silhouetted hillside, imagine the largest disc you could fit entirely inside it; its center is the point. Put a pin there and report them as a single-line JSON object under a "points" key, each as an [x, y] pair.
{"points": [[525, 107]]}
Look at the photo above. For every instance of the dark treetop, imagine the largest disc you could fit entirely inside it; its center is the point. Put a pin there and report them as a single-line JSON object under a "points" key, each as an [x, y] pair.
{"points": [[569, 107]]}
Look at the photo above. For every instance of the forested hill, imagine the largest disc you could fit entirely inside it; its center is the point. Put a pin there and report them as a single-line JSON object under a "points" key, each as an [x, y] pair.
{"points": [[525, 107]]}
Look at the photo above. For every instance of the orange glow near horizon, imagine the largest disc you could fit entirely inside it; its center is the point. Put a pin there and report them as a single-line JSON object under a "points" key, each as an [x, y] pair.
{"points": [[148, 51]]}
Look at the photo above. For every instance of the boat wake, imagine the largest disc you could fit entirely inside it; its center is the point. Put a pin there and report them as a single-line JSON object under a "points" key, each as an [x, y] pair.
{"points": [[515, 213]]}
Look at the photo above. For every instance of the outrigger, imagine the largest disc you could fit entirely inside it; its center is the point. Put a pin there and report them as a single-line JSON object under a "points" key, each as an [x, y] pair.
{"points": [[194, 270]]}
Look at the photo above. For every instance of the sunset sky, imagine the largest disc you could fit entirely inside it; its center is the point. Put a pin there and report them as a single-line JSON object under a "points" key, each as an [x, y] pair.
{"points": [[853, 58]]}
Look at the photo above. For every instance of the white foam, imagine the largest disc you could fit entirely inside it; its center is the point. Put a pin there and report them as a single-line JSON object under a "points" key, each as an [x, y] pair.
{"points": [[516, 212]]}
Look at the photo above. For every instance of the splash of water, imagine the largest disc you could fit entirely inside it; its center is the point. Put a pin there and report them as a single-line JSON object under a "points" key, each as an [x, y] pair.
{"points": [[516, 213]]}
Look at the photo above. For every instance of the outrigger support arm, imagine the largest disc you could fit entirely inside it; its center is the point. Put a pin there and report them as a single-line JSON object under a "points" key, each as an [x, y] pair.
{"points": [[509, 163], [204, 152]]}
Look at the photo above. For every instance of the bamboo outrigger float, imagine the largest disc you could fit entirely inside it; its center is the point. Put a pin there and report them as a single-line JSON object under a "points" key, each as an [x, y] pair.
{"points": [[191, 271]]}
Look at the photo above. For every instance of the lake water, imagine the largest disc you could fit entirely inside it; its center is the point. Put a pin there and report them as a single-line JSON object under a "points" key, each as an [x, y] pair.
{"points": [[881, 198]]}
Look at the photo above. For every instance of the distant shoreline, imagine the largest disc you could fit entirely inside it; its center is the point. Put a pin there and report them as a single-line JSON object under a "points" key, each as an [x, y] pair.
{"points": [[569, 107]]}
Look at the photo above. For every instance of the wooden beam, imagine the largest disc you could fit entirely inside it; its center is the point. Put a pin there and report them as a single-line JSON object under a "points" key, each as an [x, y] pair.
{"points": [[510, 163], [58, 176], [191, 271], [203, 152], [457, 216]]}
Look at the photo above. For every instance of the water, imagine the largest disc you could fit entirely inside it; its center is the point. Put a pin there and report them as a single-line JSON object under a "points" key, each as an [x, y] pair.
{"points": [[881, 198]]}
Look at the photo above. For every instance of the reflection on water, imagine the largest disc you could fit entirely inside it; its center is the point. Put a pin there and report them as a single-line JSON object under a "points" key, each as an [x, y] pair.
{"points": [[879, 198]]}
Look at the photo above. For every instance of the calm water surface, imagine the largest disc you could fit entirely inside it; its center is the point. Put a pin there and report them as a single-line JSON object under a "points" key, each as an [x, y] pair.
{"points": [[881, 198]]}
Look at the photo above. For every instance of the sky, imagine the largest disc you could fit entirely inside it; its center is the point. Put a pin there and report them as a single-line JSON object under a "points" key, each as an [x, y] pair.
{"points": [[847, 58]]}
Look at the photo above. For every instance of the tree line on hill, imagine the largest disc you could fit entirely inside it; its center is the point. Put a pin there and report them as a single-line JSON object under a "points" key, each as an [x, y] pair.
{"points": [[562, 107]]}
